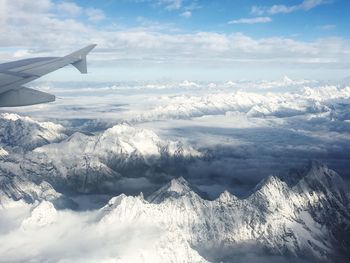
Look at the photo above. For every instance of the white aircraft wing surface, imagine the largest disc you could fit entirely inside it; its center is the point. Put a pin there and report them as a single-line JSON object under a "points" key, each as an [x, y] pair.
{"points": [[14, 74]]}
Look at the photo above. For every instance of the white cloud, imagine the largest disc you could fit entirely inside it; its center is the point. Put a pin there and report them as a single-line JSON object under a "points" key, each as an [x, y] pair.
{"points": [[186, 14], [309, 4], [41, 30], [95, 15], [69, 8], [21, 53], [167, 4], [327, 27], [171, 4], [30, 6], [41, 25], [306, 5], [255, 20]]}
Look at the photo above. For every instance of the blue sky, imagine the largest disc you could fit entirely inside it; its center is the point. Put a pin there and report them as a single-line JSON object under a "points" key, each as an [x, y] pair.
{"points": [[323, 19], [185, 39]]}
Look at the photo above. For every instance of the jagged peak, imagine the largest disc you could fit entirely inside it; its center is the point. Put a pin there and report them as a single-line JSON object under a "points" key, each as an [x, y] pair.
{"points": [[15, 117], [319, 173], [131, 139], [125, 129], [270, 182], [315, 167], [10, 116], [175, 188], [271, 187], [315, 164], [314, 170], [226, 197], [116, 200], [121, 201], [3, 152], [316, 176], [179, 185], [23, 133]]}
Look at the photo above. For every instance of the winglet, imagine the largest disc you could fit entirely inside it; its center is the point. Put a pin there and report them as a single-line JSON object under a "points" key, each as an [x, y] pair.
{"points": [[78, 58], [81, 65]]}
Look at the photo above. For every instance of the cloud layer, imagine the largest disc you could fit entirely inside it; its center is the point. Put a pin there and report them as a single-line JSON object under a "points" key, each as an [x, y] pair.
{"points": [[306, 5], [29, 29], [254, 20]]}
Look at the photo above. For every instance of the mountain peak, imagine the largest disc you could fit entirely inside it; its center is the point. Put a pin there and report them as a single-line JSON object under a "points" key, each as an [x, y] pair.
{"points": [[271, 189], [177, 187], [317, 177], [317, 169], [115, 201], [226, 197], [10, 116], [320, 178], [271, 182], [3, 152], [126, 130], [20, 132], [314, 169], [315, 164], [131, 139]]}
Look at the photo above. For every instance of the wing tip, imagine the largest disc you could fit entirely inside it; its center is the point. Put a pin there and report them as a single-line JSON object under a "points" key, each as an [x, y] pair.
{"points": [[79, 58]]}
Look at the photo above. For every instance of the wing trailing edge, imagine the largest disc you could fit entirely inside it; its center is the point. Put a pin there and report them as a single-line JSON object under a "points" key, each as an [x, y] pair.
{"points": [[24, 96]]}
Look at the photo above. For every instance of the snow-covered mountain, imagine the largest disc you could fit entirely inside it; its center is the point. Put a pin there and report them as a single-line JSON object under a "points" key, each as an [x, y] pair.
{"points": [[3, 152], [15, 190], [15, 185], [303, 100], [24, 133], [104, 162], [302, 221], [122, 140], [302, 217], [308, 220]]}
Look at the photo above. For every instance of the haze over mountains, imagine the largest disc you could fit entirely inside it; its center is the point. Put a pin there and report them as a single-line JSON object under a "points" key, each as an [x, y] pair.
{"points": [[178, 172]]}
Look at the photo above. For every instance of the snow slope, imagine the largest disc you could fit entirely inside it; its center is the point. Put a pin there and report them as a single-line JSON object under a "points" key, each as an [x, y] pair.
{"points": [[293, 218], [24, 133], [299, 221], [101, 162]]}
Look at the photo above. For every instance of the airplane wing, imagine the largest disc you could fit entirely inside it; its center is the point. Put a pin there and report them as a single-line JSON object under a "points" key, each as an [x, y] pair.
{"points": [[14, 74]]}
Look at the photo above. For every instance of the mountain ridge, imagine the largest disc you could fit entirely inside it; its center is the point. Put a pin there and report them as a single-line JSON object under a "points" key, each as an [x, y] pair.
{"points": [[304, 215], [277, 219], [282, 226]]}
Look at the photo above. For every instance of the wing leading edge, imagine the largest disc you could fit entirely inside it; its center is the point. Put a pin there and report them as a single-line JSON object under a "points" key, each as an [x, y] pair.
{"points": [[14, 74]]}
